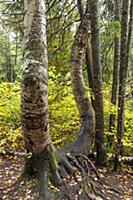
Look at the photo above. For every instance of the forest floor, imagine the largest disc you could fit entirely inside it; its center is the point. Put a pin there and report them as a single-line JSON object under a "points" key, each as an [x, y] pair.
{"points": [[12, 166]]}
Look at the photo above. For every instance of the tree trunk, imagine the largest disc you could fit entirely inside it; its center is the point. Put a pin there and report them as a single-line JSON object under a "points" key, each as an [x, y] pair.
{"points": [[98, 96], [34, 99], [9, 66], [85, 140], [130, 31], [88, 54], [34, 109], [122, 81], [90, 72], [115, 75]]}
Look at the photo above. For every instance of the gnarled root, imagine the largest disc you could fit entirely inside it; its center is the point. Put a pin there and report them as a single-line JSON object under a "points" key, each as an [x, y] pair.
{"points": [[64, 176]]}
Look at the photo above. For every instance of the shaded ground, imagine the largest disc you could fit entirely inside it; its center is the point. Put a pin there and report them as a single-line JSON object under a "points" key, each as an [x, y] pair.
{"points": [[12, 166]]}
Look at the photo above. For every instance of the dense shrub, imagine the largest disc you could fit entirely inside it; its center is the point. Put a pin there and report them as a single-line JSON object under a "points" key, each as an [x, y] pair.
{"points": [[63, 114], [10, 134]]}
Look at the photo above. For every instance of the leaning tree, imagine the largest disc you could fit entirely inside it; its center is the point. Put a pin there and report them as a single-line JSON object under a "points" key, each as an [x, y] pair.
{"points": [[47, 165]]}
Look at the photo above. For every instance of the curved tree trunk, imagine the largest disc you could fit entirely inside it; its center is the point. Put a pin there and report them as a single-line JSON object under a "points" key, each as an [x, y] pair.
{"points": [[85, 140], [88, 54]]}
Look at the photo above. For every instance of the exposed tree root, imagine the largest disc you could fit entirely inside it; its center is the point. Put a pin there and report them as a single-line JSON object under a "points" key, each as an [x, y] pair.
{"points": [[61, 176]]}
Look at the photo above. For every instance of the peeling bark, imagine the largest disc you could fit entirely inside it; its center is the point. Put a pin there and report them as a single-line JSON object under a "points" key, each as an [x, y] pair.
{"points": [[34, 103]]}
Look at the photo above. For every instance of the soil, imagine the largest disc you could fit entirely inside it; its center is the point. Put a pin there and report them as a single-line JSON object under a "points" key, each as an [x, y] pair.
{"points": [[11, 168]]}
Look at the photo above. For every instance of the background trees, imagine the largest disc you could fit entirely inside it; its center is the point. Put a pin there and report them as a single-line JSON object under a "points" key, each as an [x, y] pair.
{"points": [[125, 45], [115, 70]]}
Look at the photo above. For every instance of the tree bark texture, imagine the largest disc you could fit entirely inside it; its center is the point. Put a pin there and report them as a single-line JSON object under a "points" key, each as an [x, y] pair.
{"points": [[115, 72], [122, 81], [98, 96], [34, 106], [46, 165], [85, 140], [88, 54], [34, 100]]}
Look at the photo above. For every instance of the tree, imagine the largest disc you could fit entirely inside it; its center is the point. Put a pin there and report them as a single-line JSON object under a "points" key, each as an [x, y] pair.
{"points": [[85, 140], [115, 71], [98, 96], [130, 29], [34, 103], [122, 81], [34, 109], [88, 54]]}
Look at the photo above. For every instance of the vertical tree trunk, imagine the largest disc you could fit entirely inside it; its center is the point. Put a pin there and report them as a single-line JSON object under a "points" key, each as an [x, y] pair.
{"points": [[122, 81], [34, 109], [80, 8], [34, 99], [130, 29], [115, 74], [9, 66], [98, 101], [90, 72]]}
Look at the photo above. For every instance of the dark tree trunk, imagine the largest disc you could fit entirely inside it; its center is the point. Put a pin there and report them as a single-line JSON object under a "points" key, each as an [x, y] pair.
{"points": [[122, 82], [130, 29], [80, 8], [98, 96], [115, 75], [9, 67]]}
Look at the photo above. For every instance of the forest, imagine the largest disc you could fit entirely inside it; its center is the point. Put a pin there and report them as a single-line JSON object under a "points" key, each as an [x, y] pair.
{"points": [[66, 99]]}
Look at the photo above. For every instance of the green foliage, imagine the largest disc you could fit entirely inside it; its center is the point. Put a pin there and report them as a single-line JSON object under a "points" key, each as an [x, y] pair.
{"points": [[63, 114], [110, 109], [10, 55], [128, 134], [10, 134], [109, 30], [3, 54], [64, 120]]}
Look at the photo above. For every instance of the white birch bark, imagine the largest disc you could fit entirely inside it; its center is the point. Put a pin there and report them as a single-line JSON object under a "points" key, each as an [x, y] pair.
{"points": [[34, 106]]}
